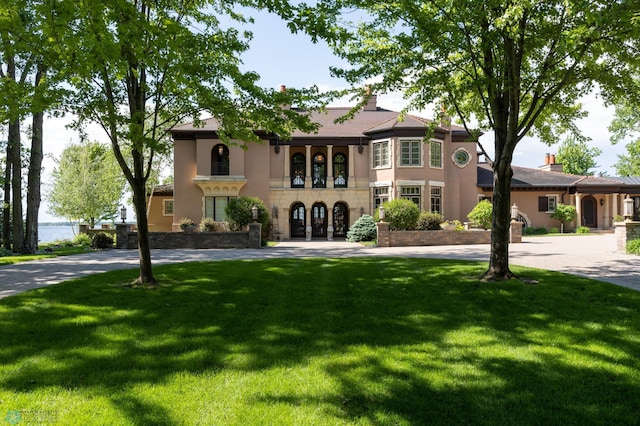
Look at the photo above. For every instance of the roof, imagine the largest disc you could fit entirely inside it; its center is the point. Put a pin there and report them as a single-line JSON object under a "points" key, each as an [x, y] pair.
{"points": [[365, 123], [628, 180], [524, 178]]}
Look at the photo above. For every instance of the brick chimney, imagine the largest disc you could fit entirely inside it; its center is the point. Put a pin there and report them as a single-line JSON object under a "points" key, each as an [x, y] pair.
{"points": [[550, 164], [372, 102], [283, 89]]}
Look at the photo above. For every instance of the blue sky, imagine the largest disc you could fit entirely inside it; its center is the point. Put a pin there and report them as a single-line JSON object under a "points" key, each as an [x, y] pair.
{"points": [[282, 58]]}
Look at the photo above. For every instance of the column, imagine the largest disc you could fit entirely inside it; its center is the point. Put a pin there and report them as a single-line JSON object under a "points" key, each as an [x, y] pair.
{"points": [[614, 210], [578, 210], [307, 178], [307, 213], [286, 180], [329, 166], [607, 209], [330, 223], [351, 166]]}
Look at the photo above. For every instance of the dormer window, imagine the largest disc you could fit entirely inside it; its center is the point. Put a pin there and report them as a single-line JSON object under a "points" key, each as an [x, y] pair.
{"points": [[220, 160]]}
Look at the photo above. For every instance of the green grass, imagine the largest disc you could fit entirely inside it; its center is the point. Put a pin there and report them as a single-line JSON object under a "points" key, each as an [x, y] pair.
{"points": [[56, 251], [324, 342]]}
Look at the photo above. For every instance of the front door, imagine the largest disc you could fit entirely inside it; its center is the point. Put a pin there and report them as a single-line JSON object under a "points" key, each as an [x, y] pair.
{"points": [[589, 212], [297, 221], [319, 220], [340, 220]]}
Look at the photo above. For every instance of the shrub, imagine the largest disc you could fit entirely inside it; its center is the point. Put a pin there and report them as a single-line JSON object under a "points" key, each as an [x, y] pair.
{"points": [[186, 222], [541, 230], [208, 224], [481, 214], [401, 214], [363, 229], [82, 239], [429, 221], [102, 240], [583, 230], [633, 246], [4, 252], [554, 230], [239, 214]]}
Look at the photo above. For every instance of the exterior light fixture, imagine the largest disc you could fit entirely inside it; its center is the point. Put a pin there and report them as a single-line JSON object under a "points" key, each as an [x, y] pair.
{"points": [[514, 212], [254, 213], [601, 202], [123, 213], [628, 208], [381, 213]]}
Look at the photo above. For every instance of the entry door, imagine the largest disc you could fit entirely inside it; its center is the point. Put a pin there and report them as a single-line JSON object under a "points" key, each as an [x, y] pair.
{"points": [[319, 220], [297, 221], [589, 212]]}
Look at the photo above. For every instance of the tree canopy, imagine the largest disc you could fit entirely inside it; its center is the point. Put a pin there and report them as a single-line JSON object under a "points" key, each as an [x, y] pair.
{"points": [[87, 184], [577, 157], [516, 67], [625, 126]]}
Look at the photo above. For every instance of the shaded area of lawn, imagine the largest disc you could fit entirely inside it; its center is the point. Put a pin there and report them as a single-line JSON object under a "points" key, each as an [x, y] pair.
{"points": [[323, 341]]}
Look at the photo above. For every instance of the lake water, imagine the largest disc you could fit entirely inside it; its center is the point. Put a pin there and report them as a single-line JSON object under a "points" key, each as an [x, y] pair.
{"points": [[50, 233]]}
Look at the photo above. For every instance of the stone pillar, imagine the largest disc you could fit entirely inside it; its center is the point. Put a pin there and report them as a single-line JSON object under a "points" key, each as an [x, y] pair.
{"points": [[383, 229], [255, 235], [307, 179], [83, 229], [122, 235], [351, 168], [515, 232], [606, 219], [578, 210], [626, 231], [286, 180], [615, 203], [308, 228], [329, 163]]}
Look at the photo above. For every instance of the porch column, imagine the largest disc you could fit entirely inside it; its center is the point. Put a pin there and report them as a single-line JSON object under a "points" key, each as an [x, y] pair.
{"points": [[614, 210], [307, 178], [330, 223], [578, 209], [329, 166], [352, 169], [286, 180], [307, 213], [607, 209]]}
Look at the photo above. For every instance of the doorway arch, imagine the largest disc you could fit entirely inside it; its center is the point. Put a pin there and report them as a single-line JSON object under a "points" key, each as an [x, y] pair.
{"points": [[589, 212], [297, 220], [319, 220], [340, 219]]}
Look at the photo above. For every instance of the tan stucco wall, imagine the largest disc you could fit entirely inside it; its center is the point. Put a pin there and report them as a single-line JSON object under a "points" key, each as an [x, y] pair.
{"points": [[158, 221]]}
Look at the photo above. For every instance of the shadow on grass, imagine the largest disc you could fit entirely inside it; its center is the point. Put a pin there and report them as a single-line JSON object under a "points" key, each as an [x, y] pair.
{"points": [[404, 340]]}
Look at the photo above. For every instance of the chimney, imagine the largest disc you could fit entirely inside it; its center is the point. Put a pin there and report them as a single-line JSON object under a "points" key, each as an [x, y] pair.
{"points": [[552, 159], [371, 104], [550, 164], [283, 89], [445, 120], [547, 158]]}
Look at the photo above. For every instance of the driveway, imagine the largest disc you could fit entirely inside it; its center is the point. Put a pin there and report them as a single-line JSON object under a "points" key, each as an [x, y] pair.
{"points": [[591, 256]]}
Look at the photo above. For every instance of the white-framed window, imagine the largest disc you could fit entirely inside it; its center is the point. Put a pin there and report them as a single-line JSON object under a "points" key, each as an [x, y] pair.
{"points": [[436, 199], [435, 154], [381, 154], [167, 207], [214, 208], [411, 193], [410, 150], [548, 203], [380, 195]]}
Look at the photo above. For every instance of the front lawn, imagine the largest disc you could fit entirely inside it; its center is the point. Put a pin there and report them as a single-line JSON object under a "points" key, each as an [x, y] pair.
{"points": [[322, 342]]}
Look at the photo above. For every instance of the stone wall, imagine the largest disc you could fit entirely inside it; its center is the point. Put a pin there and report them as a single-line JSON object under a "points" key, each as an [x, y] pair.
{"points": [[626, 231], [388, 238], [195, 240]]}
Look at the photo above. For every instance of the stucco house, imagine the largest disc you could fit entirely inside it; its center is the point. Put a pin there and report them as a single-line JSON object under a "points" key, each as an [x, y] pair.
{"points": [[316, 185]]}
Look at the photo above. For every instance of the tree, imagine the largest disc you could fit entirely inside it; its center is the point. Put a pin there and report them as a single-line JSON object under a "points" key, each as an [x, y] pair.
{"points": [[515, 67], [87, 184], [576, 157], [139, 67], [626, 123], [564, 213], [629, 164]]}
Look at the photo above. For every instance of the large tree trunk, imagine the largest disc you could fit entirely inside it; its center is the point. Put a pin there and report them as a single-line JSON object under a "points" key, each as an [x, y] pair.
{"points": [[33, 186], [6, 205], [144, 251], [16, 186]]}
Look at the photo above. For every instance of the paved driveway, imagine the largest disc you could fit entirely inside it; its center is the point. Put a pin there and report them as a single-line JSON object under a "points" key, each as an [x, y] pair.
{"points": [[591, 256]]}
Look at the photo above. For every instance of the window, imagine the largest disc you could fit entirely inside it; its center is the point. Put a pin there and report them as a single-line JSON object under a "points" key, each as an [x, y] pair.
{"points": [[411, 193], [214, 208], [410, 153], [340, 220], [381, 154], [435, 149], [220, 160], [339, 171], [461, 157], [298, 166], [167, 207], [319, 171], [436, 199], [547, 203], [380, 195]]}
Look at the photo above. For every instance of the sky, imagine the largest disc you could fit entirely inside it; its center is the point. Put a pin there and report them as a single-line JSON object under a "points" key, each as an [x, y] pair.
{"points": [[282, 58]]}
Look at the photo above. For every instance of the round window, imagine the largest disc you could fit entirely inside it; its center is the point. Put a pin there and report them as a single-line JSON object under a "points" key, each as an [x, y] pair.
{"points": [[461, 157]]}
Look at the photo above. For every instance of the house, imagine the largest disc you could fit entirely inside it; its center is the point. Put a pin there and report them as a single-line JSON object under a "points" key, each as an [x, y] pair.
{"points": [[316, 185]]}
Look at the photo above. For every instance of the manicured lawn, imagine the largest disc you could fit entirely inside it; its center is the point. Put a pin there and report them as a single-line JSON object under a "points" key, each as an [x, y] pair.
{"points": [[56, 251], [322, 342]]}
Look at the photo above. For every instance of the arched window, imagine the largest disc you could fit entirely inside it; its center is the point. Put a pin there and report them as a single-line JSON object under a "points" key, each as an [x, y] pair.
{"points": [[220, 160], [298, 165], [340, 170], [297, 221], [319, 171]]}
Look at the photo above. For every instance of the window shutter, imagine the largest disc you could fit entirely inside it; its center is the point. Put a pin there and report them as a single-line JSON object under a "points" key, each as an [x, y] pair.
{"points": [[543, 204]]}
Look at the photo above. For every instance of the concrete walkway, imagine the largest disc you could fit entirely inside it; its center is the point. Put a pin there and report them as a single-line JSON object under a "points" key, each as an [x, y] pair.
{"points": [[591, 256]]}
